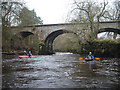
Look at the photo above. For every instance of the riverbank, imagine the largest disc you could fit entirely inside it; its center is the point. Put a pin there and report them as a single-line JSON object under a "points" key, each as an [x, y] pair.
{"points": [[12, 53], [17, 52], [99, 48], [103, 48]]}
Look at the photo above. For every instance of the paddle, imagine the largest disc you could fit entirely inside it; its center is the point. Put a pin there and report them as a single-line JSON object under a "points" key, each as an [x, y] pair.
{"points": [[97, 58], [80, 58], [97, 62]]}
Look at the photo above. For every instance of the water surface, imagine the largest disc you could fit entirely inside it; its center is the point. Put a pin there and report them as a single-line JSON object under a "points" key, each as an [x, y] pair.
{"points": [[61, 70]]}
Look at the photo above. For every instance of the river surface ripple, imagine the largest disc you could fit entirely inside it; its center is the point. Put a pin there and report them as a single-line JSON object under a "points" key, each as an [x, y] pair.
{"points": [[61, 70]]}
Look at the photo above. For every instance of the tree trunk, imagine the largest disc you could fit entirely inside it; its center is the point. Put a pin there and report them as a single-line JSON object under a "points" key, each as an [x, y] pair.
{"points": [[115, 35]]}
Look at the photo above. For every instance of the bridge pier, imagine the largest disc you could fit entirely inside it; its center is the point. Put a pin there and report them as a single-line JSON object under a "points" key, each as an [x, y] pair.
{"points": [[46, 49], [49, 49]]}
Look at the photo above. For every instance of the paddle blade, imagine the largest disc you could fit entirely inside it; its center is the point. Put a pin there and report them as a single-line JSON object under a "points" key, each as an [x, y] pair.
{"points": [[97, 62], [80, 58], [97, 58]]}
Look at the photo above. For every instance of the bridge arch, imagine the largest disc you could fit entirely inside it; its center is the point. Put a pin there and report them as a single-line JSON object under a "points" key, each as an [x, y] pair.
{"points": [[19, 40], [20, 36], [24, 34], [109, 30], [114, 30], [51, 37]]}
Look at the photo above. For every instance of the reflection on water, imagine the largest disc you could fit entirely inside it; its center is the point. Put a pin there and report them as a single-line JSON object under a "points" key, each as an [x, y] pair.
{"points": [[61, 70]]}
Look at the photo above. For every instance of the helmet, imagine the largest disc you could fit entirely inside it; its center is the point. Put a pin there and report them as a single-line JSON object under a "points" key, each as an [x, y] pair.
{"points": [[24, 51], [90, 52]]}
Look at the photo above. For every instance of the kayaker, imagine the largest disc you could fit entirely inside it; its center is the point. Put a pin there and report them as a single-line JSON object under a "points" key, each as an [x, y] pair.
{"points": [[90, 56], [29, 54], [25, 52]]}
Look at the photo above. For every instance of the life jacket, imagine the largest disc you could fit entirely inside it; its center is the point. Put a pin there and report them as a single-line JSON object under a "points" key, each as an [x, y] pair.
{"points": [[89, 57]]}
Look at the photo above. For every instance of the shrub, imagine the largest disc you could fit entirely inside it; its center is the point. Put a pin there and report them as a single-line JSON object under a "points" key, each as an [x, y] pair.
{"points": [[41, 44], [107, 47]]}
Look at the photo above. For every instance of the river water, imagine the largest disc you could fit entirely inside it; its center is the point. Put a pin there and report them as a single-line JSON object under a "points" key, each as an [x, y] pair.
{"points": [[60, 70]]}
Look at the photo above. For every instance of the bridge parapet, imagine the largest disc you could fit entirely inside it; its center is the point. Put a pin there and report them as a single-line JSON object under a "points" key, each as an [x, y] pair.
{"points": [[42, 31]]}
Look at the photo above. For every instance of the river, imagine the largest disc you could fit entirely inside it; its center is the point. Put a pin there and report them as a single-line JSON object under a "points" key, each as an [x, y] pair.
{"points": [[60, 70]]}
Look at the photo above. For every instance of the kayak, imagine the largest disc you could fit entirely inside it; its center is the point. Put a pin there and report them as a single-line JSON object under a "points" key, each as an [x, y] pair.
{"points": [[27, 57], [88, 59], [93, 60]]}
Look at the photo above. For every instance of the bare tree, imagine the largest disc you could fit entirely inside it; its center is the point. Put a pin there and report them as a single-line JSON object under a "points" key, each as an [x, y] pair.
{"points": [[10, 13], [90, 12], [114, 12]]}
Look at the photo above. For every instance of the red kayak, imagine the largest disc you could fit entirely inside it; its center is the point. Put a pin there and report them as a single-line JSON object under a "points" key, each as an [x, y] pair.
{"points": [[27, 57]]}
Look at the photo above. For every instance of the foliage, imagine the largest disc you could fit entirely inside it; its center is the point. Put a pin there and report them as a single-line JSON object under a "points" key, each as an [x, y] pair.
{"points": [[33, 28], [14, 14], [41, 44], [6, 38], [28, 43], [66, 43], [9, 14], [107, 47], [29, 17]]}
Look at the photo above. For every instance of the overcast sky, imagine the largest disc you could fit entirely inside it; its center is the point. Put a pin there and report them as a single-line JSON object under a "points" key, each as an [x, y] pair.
{"points": [[51, 11]]}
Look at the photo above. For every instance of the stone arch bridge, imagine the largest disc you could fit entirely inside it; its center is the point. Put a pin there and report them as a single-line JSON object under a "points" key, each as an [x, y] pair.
{"points": [[48, 32]]}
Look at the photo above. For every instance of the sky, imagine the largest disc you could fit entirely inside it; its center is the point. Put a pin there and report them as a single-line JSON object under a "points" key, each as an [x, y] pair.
{"points": [[52, 11]]}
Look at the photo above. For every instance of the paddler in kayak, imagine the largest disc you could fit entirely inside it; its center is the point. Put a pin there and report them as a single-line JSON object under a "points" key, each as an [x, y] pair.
{"points": [[25, 53], [89, 57], [28, 54]]}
